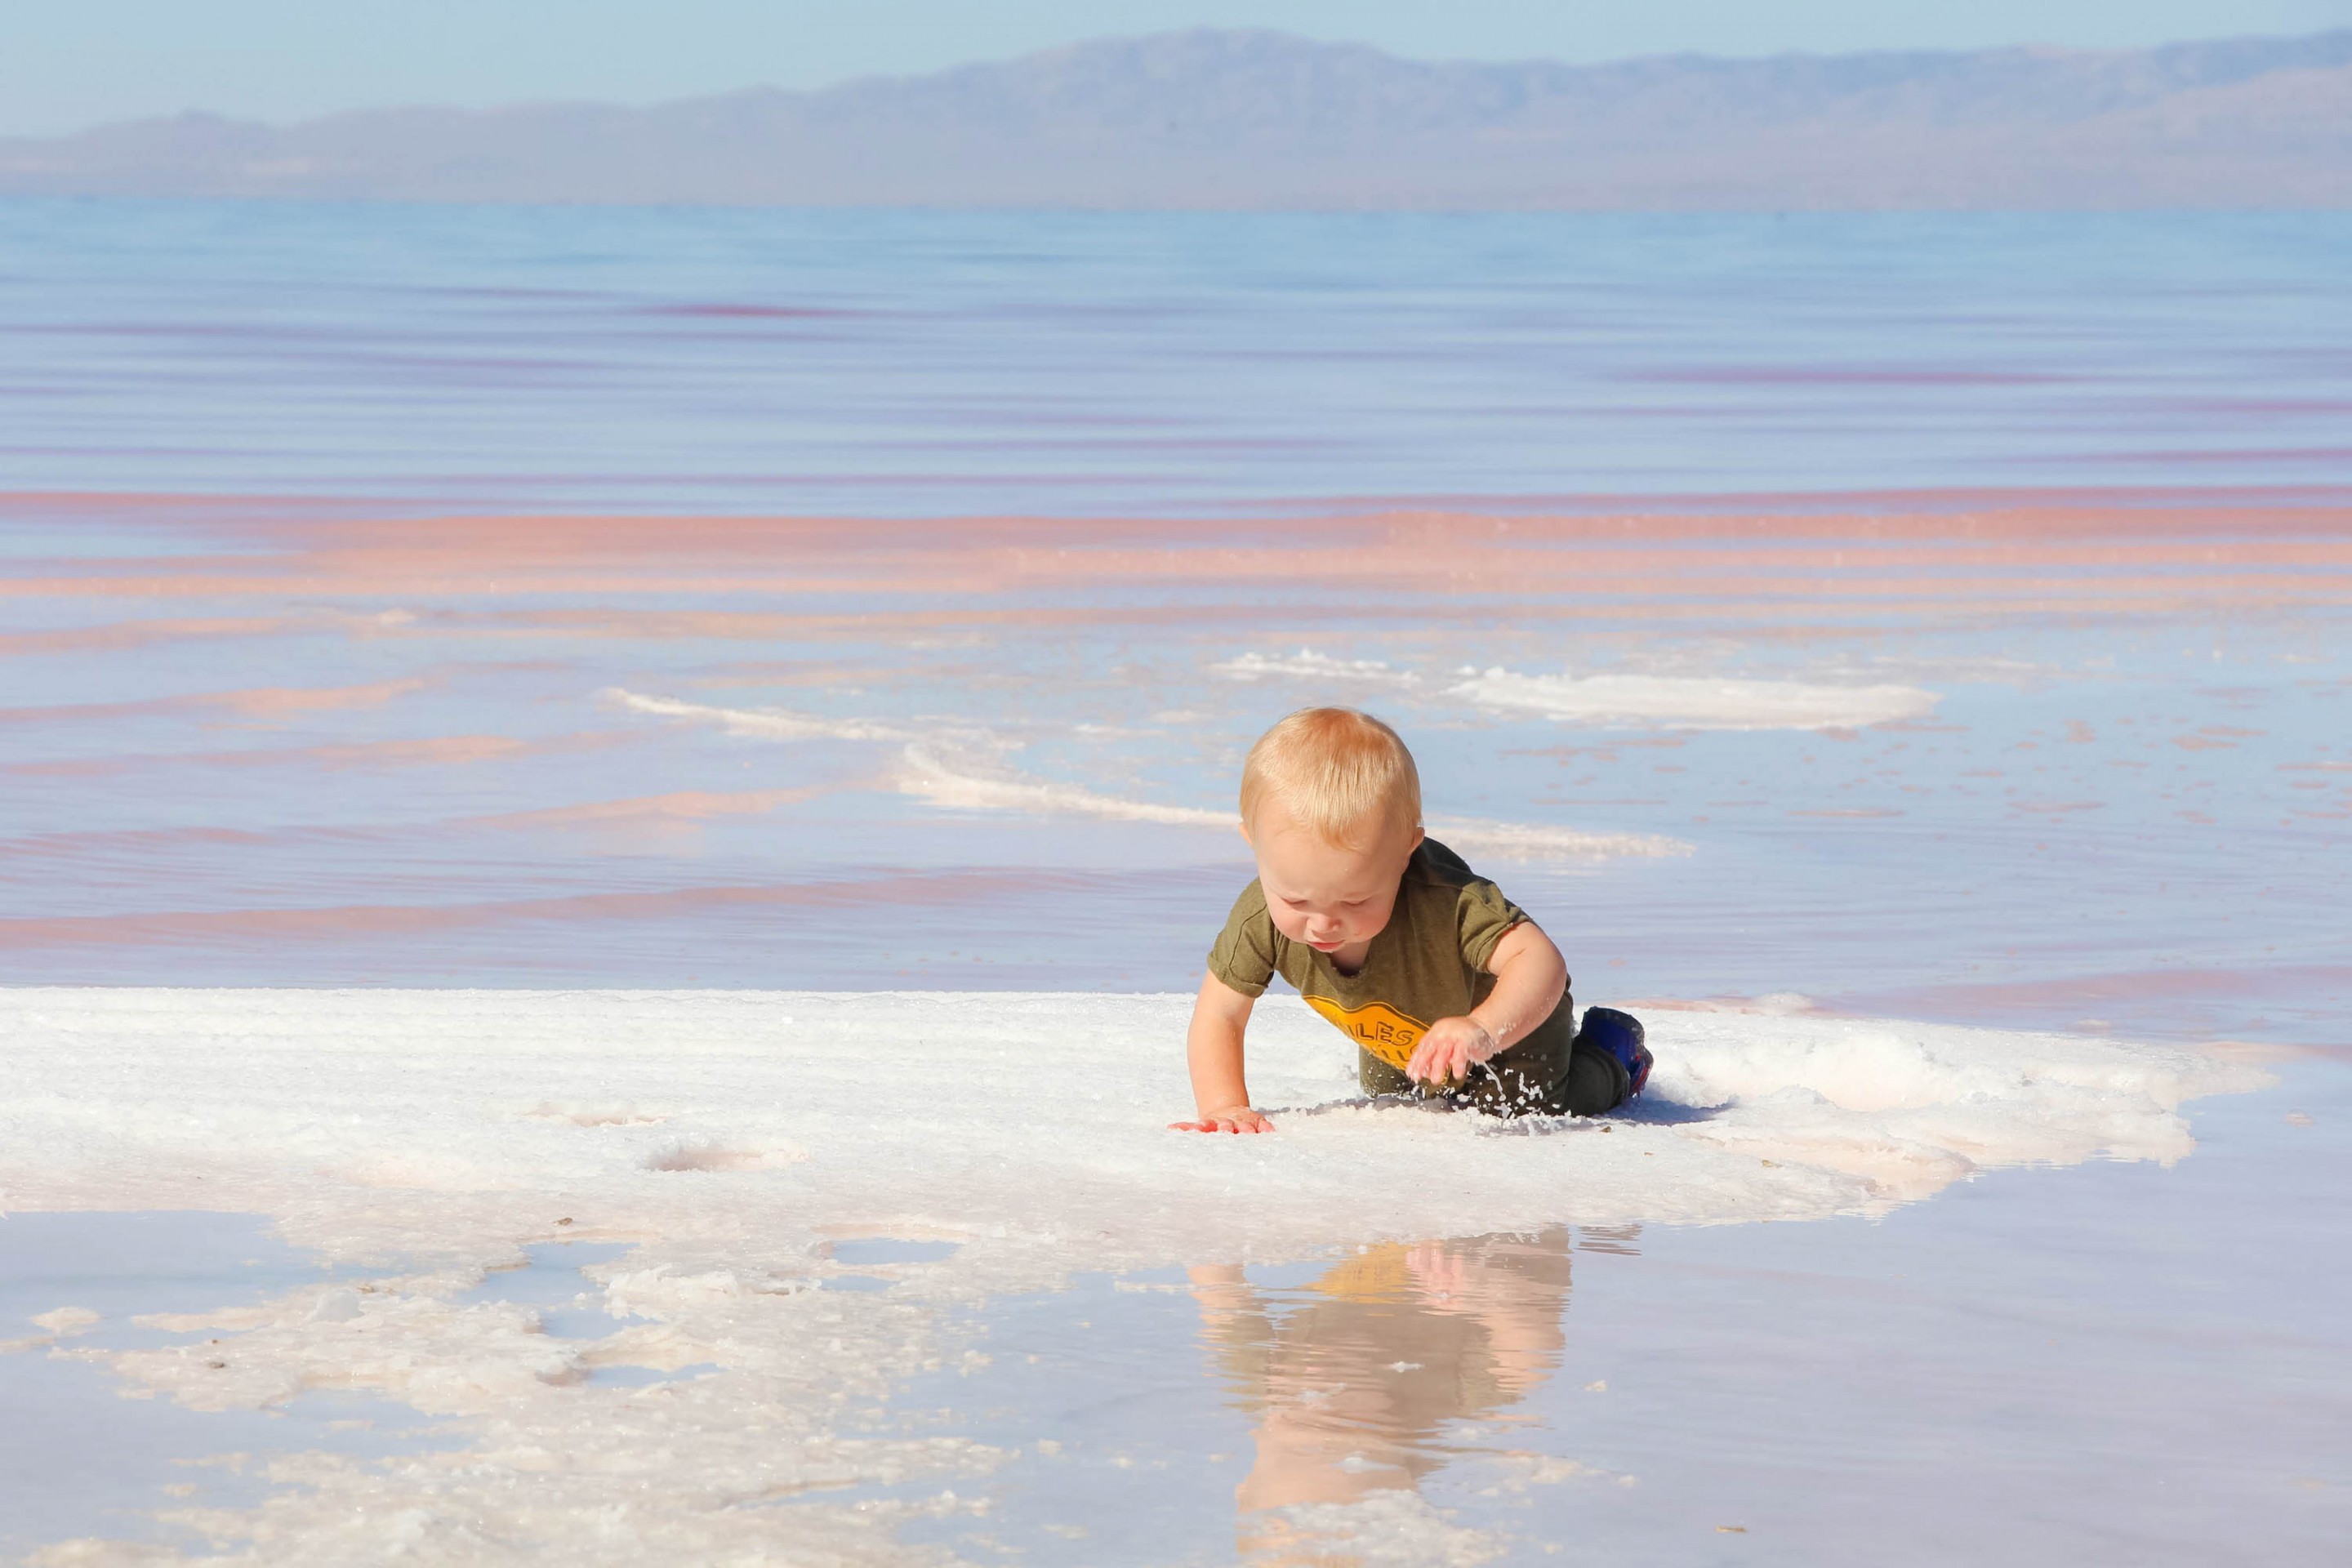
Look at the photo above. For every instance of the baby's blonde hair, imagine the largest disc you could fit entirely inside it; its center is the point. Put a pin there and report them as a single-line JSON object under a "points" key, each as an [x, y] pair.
{"points": [[1337, 772]]}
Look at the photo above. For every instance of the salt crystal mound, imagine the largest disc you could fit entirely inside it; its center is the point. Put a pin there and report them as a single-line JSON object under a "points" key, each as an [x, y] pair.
{"points": [[387, 1125], [427, 1137], [1688, 702]]}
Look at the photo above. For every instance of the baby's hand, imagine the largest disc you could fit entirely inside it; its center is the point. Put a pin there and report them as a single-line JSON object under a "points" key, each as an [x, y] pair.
{"points": [[1445, 1052], [1231, 1118]]}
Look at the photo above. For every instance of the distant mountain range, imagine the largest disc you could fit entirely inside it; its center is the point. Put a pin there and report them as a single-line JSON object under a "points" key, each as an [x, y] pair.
{"points": [[1254, 120]]}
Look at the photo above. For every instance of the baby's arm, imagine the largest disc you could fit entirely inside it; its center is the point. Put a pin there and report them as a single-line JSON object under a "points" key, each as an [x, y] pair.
{"points": [[1530, 977], [1214, 1047]]}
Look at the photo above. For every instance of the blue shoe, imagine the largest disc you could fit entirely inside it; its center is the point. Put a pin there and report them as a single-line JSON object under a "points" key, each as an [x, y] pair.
{"points": [[1617, 1036]]}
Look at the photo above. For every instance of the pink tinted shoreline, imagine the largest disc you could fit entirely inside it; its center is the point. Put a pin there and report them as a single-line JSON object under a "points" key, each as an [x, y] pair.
{"points": [[2124, 556]]}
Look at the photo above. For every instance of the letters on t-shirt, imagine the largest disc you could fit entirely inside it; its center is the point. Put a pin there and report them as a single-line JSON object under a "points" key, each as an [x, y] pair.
{"points": [[1377, 1026]]}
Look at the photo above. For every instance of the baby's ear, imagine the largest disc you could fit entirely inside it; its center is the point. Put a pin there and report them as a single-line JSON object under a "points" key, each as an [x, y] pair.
{"points": [[1241, 825]]}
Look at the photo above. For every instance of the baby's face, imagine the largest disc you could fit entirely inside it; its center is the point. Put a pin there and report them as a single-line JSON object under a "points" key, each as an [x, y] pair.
{"points": [[1323, 894]]}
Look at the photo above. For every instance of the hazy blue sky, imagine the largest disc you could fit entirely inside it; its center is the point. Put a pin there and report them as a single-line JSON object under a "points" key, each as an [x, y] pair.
{"points": [[65, 64]]}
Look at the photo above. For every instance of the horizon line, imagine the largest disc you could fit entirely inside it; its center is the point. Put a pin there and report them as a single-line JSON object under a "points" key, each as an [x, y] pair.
{"points": [[507, 106]]}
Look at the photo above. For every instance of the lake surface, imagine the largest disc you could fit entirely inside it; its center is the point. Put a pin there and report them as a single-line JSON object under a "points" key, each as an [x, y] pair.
{"points": [[2123, 1363], [385, 589], [1924, 617], [961, 365]]}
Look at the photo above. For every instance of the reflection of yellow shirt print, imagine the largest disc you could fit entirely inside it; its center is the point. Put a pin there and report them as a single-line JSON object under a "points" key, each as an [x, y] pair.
{"points": [[1377, 1026]]}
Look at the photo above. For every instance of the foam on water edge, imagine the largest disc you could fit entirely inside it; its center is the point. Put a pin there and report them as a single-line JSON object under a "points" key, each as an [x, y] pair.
{"points": [[1611, 700], [1688, 702], [961, 768], [732, 1140]]}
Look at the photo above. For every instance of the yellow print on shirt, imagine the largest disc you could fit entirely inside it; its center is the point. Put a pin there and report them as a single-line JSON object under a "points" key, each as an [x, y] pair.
{"points": [[1377, 1026]]}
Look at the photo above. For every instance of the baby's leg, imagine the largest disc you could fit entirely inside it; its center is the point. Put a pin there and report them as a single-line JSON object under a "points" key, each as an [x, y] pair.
{"points": [[1595, 1081], [1605, 1066], [1377, 1077]]}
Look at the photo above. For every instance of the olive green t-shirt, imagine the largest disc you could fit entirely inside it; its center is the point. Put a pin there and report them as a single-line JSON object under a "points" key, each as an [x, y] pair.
{"points": [[1428, 962]]}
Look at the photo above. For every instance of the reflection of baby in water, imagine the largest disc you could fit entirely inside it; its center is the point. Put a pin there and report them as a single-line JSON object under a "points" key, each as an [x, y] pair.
{"points": [[1352, 1387]]}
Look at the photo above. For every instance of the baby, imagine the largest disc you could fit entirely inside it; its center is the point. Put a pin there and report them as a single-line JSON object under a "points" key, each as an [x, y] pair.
{"points": [[1445, 986]]}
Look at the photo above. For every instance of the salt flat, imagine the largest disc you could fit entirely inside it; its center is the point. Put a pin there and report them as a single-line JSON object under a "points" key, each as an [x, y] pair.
{"points": [[735, 1140]]}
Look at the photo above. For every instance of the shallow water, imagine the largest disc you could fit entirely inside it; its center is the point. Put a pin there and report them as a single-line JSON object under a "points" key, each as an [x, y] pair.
{"points": [[2116, 1364], [389, 589], [2126, 1366], [977, 365], [1911, 617], [82, 1458]]}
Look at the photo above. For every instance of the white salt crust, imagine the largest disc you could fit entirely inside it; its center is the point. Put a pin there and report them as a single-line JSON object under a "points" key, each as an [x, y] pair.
{"points": [[732, 1137], [1612, 702], [1691, 702]]}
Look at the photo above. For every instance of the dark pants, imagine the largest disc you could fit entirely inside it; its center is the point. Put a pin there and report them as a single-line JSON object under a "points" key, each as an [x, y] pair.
{"points": [[1534, 1077]]}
